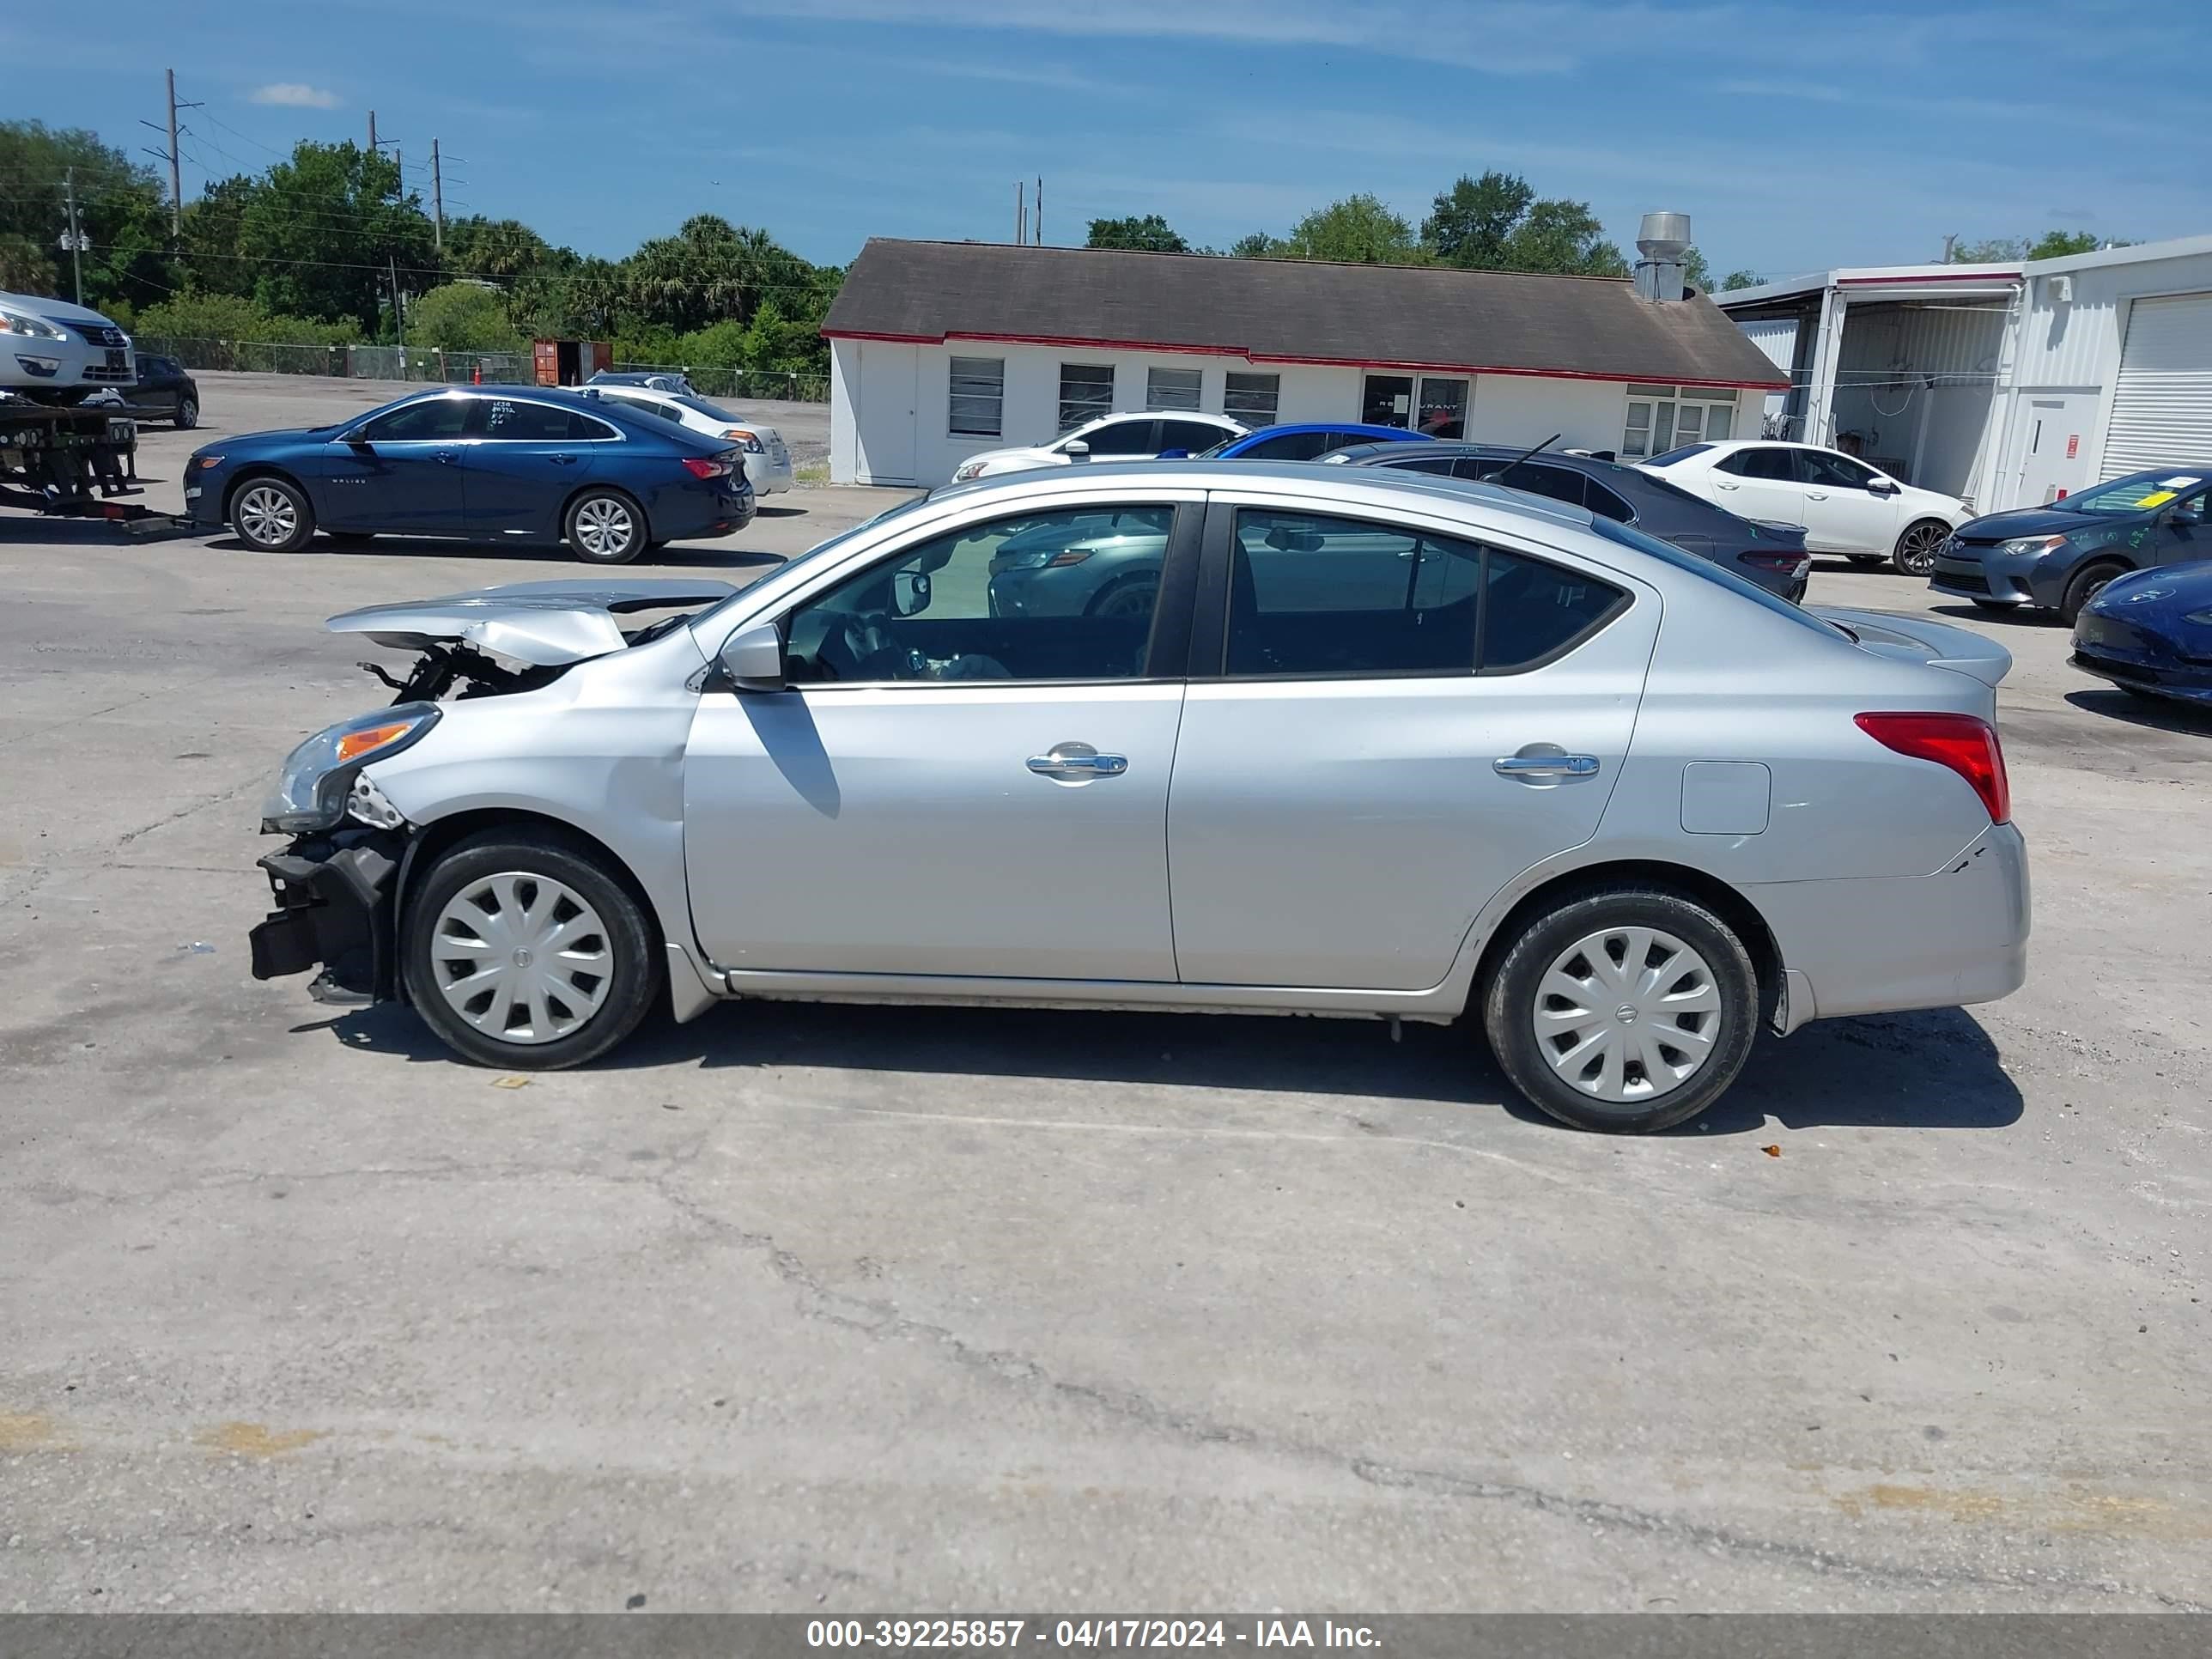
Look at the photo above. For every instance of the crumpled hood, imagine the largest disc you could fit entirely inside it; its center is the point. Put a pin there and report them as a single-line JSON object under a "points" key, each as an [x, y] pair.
{"points": [[541, 623]]}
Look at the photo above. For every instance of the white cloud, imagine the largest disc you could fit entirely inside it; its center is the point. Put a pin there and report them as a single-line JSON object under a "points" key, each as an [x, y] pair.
{"points": [[296, 95]]}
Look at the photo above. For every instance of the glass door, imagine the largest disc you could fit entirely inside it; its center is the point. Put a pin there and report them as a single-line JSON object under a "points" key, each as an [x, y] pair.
{"points": [[1443, 406], [1387, 400]]}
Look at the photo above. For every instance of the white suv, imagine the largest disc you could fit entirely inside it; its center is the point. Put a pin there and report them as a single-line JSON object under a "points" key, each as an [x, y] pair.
{"points": [[57, 353], [1110, 437], [1845, 506]]}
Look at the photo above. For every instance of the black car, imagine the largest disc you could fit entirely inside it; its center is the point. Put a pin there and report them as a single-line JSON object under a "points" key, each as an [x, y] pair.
{"points": [[1771, 554], [164, 388]]}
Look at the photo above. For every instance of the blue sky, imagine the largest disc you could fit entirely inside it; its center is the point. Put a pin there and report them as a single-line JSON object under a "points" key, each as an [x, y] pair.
{"points": [[1796, 135]]}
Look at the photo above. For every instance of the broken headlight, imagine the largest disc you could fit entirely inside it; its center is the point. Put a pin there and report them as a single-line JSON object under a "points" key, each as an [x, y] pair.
{"points": [[313, 785]]}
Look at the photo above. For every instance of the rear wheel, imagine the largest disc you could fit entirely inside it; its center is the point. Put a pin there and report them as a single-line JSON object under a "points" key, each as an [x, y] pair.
{"points": [[188, 414], [1627, 1009], [522, 951], [1915, 549], [2088, 581], [605, 526], [272, 514]]}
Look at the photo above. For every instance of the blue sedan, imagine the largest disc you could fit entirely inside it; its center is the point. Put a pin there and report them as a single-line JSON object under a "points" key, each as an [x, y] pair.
{"points": [[484, 463], [2150, 633]]}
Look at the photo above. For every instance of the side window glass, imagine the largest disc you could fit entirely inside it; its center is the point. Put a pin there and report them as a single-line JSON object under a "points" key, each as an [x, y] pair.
{"points": [[1830, 472], [1316, 595], [431, 419], [515, 422], [1604, 502], [589, 428], [1065, 595], [1122, 438], [1533, 609], [1760, 462], [1438, 467], [1555, 482], [1192, 436]]}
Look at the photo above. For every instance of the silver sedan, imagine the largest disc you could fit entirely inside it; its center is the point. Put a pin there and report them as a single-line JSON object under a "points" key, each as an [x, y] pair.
{"points": [[1365, 745]]}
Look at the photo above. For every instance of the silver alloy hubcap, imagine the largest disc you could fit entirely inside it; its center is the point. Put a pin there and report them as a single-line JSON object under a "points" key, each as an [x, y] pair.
{"points": [[1627, 1014], [522, 957], [604, 526], [266, 515], [1920, 547]]}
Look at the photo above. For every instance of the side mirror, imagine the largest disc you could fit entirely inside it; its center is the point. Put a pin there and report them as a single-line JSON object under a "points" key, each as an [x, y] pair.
{"points": [[753, 658], [1883, 487], [910, 592], [1076, 450]]}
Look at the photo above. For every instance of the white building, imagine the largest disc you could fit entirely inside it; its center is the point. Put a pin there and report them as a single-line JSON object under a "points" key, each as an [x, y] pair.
{"points": [[1039, 339], [2004, 383]]}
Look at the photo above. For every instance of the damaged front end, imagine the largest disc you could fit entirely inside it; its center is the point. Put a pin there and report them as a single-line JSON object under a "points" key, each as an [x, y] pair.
{"points": [[335, 895]]}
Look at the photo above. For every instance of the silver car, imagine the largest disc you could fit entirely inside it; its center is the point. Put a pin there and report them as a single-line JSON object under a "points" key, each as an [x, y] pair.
{"points": [[1374, 745], [54, 352]]}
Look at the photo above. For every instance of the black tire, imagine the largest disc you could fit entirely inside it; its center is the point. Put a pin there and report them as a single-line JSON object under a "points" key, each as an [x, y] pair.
{"points": [[1915, 553], [1132, 596], [588, 527], [2084, 587], [188, 414], [1867, 558], [1510, 1003], [637, 971], [263, 526]]}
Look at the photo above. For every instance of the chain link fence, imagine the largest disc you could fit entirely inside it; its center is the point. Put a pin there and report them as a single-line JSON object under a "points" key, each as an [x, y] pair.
{"points": [[390, 362]]}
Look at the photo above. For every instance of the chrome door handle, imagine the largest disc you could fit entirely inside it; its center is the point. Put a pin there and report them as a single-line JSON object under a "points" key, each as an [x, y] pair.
{"points": [[448, 456], [1077, 762], [562, 460], [1718, 484], [1545, 766], [1816, 496]]}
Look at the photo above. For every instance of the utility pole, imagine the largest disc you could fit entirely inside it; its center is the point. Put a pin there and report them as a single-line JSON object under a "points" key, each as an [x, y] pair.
{"points": [[1040, 211], [176, 179], [398, 322], [1949, 242], [372, 132], [1021, 214], [437, 201], [76, 242]]}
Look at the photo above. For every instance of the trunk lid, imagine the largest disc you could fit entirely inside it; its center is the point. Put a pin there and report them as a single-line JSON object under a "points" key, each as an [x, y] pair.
{"points": [[1920, 638]]}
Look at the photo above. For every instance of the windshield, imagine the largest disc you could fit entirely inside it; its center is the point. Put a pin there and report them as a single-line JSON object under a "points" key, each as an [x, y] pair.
{"points": [[1675, 455], [2139, 492], [1668, 553]]}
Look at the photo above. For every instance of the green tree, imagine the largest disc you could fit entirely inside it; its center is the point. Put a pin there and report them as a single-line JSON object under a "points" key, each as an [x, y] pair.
{"points": [[1358, 230], [1564, 238], [1150, 235], [1736, 279], [121, 209], [461, 317], [1471, 223], [1258, 246], [497, 248], [323, 231], [2058, 244]]}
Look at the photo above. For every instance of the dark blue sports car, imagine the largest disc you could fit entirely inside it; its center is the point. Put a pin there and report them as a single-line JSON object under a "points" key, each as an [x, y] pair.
{"points": [[485, 464], [2150, 632]]}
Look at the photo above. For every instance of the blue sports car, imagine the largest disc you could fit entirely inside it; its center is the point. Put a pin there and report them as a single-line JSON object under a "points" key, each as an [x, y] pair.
{"points": [[486, 463], [2150, 632]]}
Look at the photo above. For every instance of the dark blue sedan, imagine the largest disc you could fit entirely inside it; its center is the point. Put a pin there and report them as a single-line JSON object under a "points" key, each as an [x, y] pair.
{"points": [[2150, 633], [483, 464], [2057, 557], [1303, 441]]}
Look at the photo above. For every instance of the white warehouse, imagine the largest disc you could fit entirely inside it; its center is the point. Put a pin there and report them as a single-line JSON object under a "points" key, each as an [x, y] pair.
{"points": [[941, 349], [2006, 385]]}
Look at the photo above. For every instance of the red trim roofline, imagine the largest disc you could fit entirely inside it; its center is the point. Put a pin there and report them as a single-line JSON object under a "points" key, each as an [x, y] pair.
{"points": [[1315, 362], [1932, 276]]}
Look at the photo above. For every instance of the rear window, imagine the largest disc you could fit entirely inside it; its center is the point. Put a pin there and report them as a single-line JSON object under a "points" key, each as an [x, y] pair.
{"points": [[1683, 454], [712, 411]]}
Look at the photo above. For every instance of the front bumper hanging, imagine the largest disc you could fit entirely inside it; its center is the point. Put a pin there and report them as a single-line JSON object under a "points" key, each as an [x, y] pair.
{"points": [[336, 893]]}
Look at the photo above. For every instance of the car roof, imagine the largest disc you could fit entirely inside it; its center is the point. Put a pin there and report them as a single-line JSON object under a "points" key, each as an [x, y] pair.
{"points": [[1225, 421]]}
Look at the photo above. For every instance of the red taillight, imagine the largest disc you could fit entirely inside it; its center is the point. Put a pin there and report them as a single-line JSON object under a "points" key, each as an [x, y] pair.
{"points": [[1967, 745], [700, 467]]}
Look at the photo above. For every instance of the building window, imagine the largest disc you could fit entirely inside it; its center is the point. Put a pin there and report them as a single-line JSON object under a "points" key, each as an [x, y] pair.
{"points": [[1251, 398], [978, 397], [1661, 417], [1439, 411], [1086, 391], [1171, 388]]}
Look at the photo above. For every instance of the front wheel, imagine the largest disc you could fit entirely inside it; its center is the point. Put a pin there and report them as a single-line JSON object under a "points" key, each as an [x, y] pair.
{"points": [[2088, 583], [1625, 1010], [1915, 549], [273, 515], [522, 951], [605, 526]]}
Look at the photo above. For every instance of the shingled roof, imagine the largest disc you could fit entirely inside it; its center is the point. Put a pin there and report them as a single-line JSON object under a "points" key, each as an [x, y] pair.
{"points": [[1290, 311]]}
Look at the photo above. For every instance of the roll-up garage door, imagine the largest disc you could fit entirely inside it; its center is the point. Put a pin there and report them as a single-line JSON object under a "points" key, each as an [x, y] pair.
{"points": [[2162, 405]]}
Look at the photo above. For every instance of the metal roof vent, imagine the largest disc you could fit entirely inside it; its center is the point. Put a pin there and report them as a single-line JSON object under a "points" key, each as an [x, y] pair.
{"points": [[1661, 239]]}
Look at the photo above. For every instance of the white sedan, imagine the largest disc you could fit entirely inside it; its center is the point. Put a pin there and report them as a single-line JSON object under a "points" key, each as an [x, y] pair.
{"points": [[767, 458], [1130, 437], [1845, 506]]}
